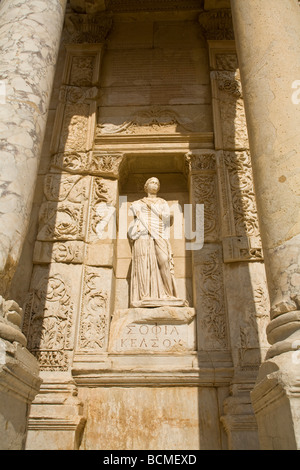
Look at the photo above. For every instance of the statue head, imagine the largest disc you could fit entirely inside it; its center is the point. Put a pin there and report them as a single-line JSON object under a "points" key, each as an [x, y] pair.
{"points": [[152, 185]]}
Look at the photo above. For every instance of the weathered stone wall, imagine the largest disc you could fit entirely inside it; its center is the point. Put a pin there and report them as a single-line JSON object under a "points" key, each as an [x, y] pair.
{"points": [[139, 95]]}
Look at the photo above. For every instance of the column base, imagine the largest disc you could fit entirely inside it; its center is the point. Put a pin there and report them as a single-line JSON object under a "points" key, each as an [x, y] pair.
{"points": [[240, 423], [55, 421], [19, 384], [276, 403]]}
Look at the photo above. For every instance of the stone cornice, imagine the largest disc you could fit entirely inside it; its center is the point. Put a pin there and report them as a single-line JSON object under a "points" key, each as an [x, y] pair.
{"points": [[95, 6]]}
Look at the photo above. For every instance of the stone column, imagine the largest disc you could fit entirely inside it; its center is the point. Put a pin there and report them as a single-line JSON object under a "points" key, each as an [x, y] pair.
{"points": [[30, 32], [268, 46]]}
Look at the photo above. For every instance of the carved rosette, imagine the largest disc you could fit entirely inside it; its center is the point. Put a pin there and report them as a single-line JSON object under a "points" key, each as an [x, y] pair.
{"points": [[63, 213]]}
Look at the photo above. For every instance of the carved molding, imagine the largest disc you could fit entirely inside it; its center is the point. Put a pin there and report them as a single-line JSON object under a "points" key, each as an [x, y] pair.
{"points": [[242, 249], [155, 120], [228, 81], [62, 215], [204, 191], [198, 161], [86, 28], [93, 163], [217, 24]]}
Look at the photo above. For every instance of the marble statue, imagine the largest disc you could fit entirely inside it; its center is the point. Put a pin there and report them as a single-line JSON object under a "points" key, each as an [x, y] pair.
{"points": [[152, 273]]}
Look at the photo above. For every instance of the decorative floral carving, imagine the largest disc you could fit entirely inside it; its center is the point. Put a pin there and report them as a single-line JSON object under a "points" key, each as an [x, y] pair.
{"points": [[153, 120], [200, 161], [101, 205], [210, 293], [242, 192], [229, 82], [106, 163], [59, 252], [75, 127], [227, 62], [47, 322], [82, 70], [75, 94], [233, 126], [59, 187], [90, 162], [204, 192], [83, 28], [93, 329], [75, 162], [60, 221], [217, 24]]}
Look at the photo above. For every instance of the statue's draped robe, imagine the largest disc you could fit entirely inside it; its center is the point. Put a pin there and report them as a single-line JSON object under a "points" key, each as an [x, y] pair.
{"points": [[152, 274]]}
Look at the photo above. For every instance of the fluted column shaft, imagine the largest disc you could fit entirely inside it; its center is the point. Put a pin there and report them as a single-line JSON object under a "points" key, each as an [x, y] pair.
{"points": [[30, 32], [268, 46]]}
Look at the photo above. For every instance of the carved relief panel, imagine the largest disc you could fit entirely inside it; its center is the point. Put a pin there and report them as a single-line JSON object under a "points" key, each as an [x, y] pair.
{"points": [[50, 314]]}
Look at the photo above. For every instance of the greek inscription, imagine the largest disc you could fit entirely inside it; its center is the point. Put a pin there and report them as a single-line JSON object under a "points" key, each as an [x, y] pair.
{"points": [[151, 337]]}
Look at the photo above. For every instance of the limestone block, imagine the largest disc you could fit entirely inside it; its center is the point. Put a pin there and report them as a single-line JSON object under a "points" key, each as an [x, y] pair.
{"points": [[151, 330], [55, 421], [122, 294], [100, 254], [125, 36], [165, 417], [155, 67]]}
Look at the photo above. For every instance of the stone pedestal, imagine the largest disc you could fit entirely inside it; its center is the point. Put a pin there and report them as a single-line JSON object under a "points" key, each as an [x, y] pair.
{"points": [[276, 402], [153, 330], [56, 421], [268, 46]]}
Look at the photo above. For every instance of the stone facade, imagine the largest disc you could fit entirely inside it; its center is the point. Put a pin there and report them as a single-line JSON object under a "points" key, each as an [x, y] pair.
{"points": [[140, 90]]}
